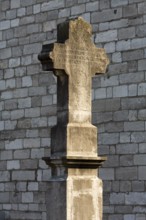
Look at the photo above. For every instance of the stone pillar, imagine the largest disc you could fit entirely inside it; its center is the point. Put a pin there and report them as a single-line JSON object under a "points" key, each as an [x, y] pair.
{"points": [[75, 191]]}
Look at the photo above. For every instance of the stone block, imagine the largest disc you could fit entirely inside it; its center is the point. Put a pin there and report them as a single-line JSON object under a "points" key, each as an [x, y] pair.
{"points": [[141, 173], [32, 142], [24, 103], [134, 126], [27, 197], [132, 55], [13, 165], [39, 122], [4, 25], [133, 103], [107, 36], [106, 173], [52, 5], [21, 154], [123, 45], [126, 160], [127, 148], [129, 217], [126, 173], [114, 127], [142, 64], [140, 31], [130, 10], [49, 26], [4, 197], [135, 198], [33, 186], [23, 176], [4, 176], [109, 138], [92, 6], [126, 33], [14, 62], [36, 92], [106, 15], [117, 198], [78, 9], [16, 144], [138, 137], [120, 91], [117, 3], [110, 47], [10, 125], [120, 115], [32, 112]]}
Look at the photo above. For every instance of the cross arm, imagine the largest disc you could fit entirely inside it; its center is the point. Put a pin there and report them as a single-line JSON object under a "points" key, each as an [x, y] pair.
{"points": [[44, 57]]}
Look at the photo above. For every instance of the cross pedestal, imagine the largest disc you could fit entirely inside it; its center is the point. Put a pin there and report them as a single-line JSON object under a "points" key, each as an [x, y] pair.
{"points": [[75, 191]]}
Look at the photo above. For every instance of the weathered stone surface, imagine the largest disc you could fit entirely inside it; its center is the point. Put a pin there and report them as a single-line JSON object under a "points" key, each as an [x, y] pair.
{"points": [[74, 60]]}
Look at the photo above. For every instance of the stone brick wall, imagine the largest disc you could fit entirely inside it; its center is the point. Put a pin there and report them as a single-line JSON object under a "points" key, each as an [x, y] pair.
{"points": [[28, 103]]}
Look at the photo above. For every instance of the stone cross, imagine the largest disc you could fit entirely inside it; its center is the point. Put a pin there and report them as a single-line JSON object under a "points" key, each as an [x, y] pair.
{"points": [[74, 59]]}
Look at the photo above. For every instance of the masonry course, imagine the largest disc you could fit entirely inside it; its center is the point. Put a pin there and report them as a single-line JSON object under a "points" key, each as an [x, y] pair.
{"points": [[28, 103]]}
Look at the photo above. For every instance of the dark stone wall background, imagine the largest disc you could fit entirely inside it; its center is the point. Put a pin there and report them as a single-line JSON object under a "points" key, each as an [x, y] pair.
{"points": [[28, 103]]}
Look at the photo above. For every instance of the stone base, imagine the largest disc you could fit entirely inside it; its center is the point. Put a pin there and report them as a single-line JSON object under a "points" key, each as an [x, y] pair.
{"points": [[77, 197]]}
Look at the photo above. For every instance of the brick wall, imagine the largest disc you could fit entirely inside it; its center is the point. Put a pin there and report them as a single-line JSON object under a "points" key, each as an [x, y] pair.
{"points": [[28, 103]]}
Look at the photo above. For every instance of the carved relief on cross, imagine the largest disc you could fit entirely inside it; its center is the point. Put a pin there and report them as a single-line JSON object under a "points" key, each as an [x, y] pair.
{"points": [[80, 59]]}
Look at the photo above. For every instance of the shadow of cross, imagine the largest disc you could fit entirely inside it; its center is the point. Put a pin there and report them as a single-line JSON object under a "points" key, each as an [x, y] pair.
{"points": [[76, 56]]}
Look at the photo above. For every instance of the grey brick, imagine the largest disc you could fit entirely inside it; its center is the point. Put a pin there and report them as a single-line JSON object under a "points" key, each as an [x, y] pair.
{"points": [[138, 186], [120, 115], [6, 155], [126, 173], [132, 55], [116, 57], [130, 10], [107, 36], [4, 25], [20, 93], [126, 33], [24, 103], [142, 64], [114, 127], [140, 159], [27, 197], [134, 126], [37, 153], [15, 4], [5, 53], [35, 92], [16, 144], [106, 173], [126, 160], [33, 186], [142, 148], [118, 24], [24, 123], [21, 154], [10, 104], [21, 12], [4, 176], [49, 26], [14, 62], [117, 198], [32, 48], [51, 5], [135, 198], [138, 43], [92, 6], [117, 3], [138, 137], [23, 176], [133, 103], [17, 114], [129, 217], [36, 8], [64, 13], [29, 164], [123, 45], [4, 197], [141, 173], [127, 148], [106, 105], [78, 9], [131, 78], [132, 90], [10, 125], [27, 20], [13, 165], [39, 122], [120, 91], [109, 138], [141, 30], [10, 83], [11, 14], [106, 15], [32, 143]]}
